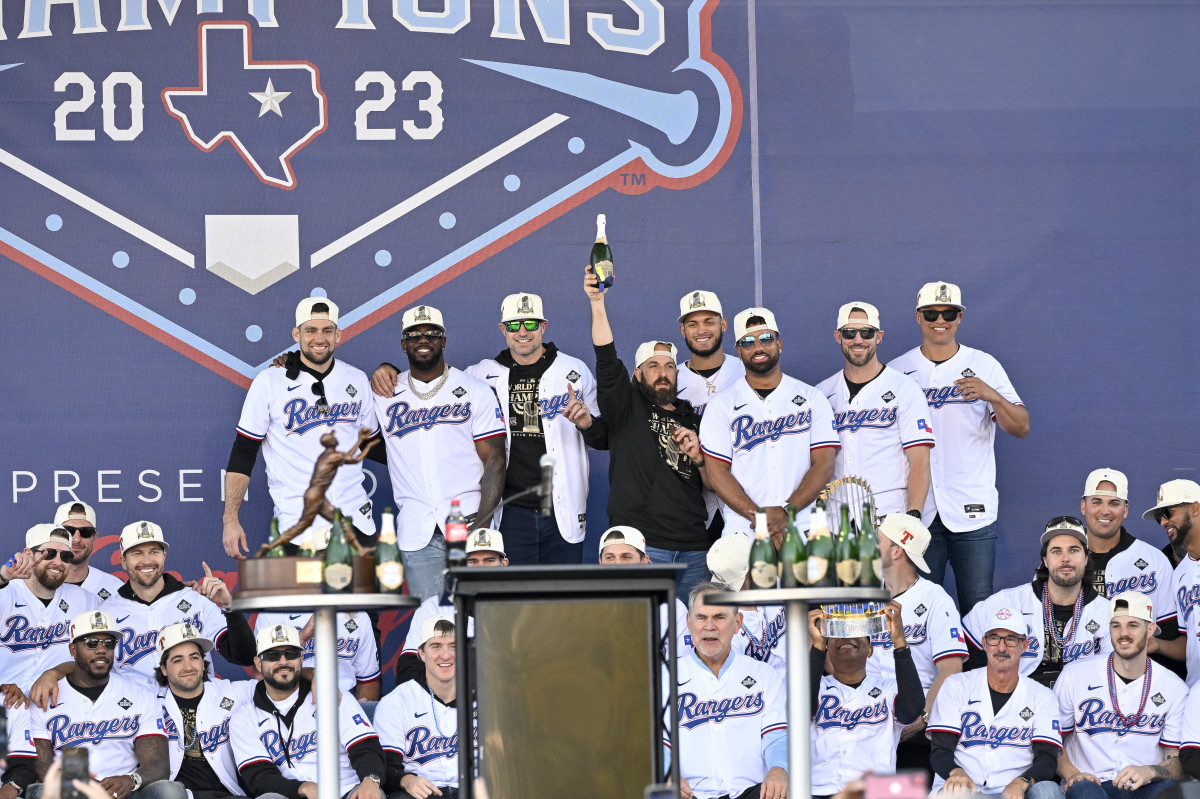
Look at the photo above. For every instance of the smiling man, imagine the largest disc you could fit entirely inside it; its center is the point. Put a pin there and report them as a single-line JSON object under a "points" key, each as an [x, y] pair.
{"points": [[1178, 511], [79, 519]]}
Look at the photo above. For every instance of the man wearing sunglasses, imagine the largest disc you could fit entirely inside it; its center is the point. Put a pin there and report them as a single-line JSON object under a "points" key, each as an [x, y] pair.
{"points": [[118, 720], [79, 519], [882, 417], [36, 612], [1177, 510], [770, 438], [1178, 507], [969, 395], [285, 414], [444, 435]]}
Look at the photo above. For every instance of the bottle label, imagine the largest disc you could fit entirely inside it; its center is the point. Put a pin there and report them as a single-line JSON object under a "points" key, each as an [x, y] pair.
{"points": [[848, 571], [456, 532], [390, 576], [763, 574], [817, 569], [604, 272], [877, 567], [308, 572], [338, 575], [800, 570]]}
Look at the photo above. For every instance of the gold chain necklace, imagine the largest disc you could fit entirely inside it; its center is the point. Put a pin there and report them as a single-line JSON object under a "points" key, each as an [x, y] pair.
{"points": [[428, 395]]}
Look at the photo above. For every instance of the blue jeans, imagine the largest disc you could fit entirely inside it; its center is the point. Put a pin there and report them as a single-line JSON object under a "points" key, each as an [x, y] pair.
{"points": [[531, 539], [1106, 790], [1042, 790], [696, 562], [972, 555], [423, 567], [163, 789]]}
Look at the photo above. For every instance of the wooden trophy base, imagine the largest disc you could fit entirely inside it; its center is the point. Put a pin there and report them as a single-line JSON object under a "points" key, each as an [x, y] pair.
{"points": [[259, 577]]}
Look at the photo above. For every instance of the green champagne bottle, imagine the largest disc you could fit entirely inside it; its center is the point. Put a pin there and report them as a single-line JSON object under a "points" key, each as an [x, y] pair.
{"points": [[847, 551], [871, 574], [793, 558], [602, 257], [820, 549], [274, 552], [308, 547], [764, 565], [389, 572], [339, 560]]}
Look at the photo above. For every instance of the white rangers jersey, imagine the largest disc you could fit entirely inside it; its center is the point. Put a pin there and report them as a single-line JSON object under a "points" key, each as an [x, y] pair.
{"points": [[431, 450], [427, 609], [1190, 734], [358, 658], [413, 723], [888, 416], [1090, 635], [766, 442], [699, 390], [124, 712], [994, 748], [1186, 582], [763, 636], [1142, 568], [1103, 744], [220, 701], [723, 721], [963, 465], [102, 584], [261, 737], [932, 628], [853, 730], [34, 636], [20, 733], [139, 624], [282, 414]]}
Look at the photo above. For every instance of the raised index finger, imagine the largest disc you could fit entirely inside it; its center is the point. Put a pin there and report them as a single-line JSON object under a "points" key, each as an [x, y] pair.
{"points": [[207, 571]]}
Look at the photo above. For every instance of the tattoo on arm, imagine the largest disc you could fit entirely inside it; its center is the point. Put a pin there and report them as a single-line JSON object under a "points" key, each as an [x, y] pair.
{"points": [[153, 758], [1169, 769], [45, 757]]}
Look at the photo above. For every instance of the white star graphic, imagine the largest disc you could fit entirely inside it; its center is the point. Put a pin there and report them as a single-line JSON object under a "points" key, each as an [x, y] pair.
{"points": [[270, 99]]}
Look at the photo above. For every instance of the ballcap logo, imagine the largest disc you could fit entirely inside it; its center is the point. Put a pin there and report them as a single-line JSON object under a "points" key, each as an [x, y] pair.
{"points": [[943, 294], [1003, 613], [97, 621], [230, 158], [482, 539], [145, 531], [697, 300], [526, 306], [422, 314], [279, 634]]}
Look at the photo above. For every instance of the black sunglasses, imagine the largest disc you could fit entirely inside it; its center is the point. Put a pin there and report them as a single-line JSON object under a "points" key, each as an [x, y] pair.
{"points": [[766, 339], [950, 314], [108, 643], [867, 333], [1164, 513], [432, 335], [272, 655], [529, 324], [65, 555], [84, 532], [318, 391]]}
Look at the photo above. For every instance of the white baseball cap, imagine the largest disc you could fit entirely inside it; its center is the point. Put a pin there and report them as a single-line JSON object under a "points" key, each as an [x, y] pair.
{"points": [[740, 327], [485, 539], [304, 310], [277, 635], [521, 306], [699, 301], [1132, 603], [429, 628], [939, 293], [45, 533], [646, 351], [1064, 525], [729, 559], [92, 622], [421, 315], [1174, 492], [1091, 488], [64, 512], [870, 310], [177, 634], [141, 533], [1002, 617], [910, 534], [622, 534]]}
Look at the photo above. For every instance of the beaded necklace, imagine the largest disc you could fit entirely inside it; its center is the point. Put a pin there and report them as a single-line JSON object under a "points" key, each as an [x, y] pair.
{"points": [[1048, 616], [1128, 721]]}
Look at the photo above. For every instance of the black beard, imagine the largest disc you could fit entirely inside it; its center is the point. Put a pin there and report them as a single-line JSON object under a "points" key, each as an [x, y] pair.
{"points": [[326, 358], [710, 351], [425, 364], [661, 396], [1062, 584], [280, 685], [764, 367], [1179, 546]]}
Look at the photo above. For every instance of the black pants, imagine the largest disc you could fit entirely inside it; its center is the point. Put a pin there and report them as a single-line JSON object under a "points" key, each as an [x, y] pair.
{"points": [[447, 793], [914, 754]]}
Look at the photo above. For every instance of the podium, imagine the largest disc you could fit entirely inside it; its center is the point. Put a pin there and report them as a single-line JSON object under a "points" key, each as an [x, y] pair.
{"points": [[567, 676]]}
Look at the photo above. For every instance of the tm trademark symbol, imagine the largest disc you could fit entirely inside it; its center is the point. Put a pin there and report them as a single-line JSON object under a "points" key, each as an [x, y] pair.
{"points": [[633, 178]]}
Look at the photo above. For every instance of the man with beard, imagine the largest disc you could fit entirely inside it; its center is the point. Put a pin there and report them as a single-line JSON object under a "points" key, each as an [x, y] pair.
{"points": [[116, 719], [881, 416], [655, 466], [1122, 718], [977, 709], [444, 434], [1064, 616], [769, 438], [79, 519], [1173, 495], [858, 715], [274, 740], [285, 413], [1177, 509], [36, 612]]}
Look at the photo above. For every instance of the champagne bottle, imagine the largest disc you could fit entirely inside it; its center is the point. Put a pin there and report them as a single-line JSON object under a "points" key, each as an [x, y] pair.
{"points": [[847, 550], [871, 566], [308, 547], [764, 565], [339, 560], [602, 257], [274, 552], [389, 572], [793, 559], [820, 549], [456, 536]]}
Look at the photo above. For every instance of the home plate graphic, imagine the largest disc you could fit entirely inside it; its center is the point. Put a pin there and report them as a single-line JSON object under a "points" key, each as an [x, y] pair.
{"points": [[179, 162]]}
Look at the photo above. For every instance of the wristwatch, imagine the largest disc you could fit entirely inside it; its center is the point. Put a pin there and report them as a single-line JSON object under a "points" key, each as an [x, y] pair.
{"points": [[916, 514], [375, 778], [137, 781], [789, 508]]}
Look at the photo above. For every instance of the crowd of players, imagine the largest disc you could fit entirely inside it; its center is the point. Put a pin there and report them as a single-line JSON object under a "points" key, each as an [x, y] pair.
{"points": [[1094, 651]]}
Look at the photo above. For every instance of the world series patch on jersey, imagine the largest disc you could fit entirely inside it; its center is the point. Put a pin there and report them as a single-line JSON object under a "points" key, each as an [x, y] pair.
{"points": [[358, 658], [220, 701], [854, 729], [415, 725], [1142, 568], [137, 654], [932, 629], [34, 635]]}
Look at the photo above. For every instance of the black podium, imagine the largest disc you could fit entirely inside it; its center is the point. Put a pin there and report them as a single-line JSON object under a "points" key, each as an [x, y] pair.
{"points": [[571, 674]]}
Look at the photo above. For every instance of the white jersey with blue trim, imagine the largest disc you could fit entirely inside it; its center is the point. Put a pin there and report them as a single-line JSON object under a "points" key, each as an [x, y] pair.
{"points": [[1190, 734], [888, 416], [20, 733], [221, 699], [1186, 582], [1142, 568], [34, 635], [358, 658], [994, 748], [1098, 741], [282, 414], [932, 628], [698, 390], [413, 723], [108, 727], [100, 583], [763, 636], [854, 729]]}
